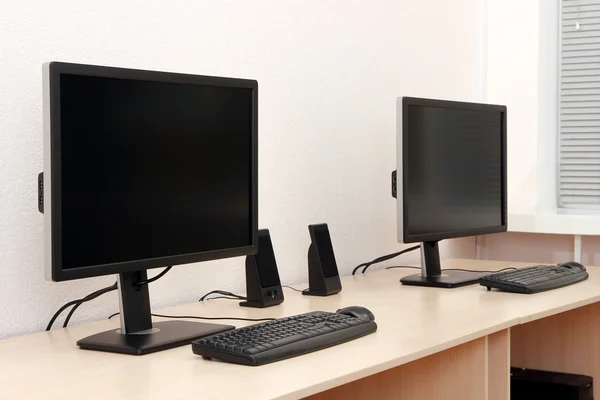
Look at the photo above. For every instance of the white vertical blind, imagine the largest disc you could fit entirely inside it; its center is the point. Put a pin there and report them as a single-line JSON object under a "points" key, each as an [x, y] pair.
{"points": [[579, 104]]}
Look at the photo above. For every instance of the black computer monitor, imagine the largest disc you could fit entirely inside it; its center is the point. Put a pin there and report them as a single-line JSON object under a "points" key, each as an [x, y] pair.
{"points": [[146, 169], [451, 179]]}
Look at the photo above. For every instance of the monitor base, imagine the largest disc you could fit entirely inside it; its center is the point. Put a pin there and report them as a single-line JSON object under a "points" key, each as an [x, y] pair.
{"points": [[447, 279], [164, 335]]}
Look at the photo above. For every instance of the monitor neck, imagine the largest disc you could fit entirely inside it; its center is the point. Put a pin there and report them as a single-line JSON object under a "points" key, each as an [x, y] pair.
{"points": [[430, 259], [431, 271], [134, 302]]}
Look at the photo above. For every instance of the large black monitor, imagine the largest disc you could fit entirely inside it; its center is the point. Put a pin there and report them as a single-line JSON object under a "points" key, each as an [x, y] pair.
{"points": [[146, 169], [451, 179]]}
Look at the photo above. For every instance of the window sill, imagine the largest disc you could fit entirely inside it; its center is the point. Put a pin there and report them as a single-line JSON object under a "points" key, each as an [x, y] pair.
{"points": [[553, 223]]}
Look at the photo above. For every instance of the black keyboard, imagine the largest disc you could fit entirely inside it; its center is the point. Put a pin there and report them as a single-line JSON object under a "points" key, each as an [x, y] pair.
{"points": [[537, 278], [283, 338]]}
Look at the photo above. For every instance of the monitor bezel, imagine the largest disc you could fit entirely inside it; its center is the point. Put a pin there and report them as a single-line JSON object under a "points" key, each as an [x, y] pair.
{"points": [[402, 171], [52, 169]]}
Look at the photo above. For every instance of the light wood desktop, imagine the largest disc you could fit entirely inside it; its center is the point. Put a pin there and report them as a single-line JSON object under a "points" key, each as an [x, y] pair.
{"points": [[430, 344]]}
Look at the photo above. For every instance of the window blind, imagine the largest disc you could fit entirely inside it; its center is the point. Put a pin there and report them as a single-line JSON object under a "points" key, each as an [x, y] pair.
{"points": [[579, 104]]}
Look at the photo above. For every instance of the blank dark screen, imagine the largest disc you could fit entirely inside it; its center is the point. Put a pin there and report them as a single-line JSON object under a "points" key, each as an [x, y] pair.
{"points": [[265, 259], [153, 169], [325, 251], [454, 170]]}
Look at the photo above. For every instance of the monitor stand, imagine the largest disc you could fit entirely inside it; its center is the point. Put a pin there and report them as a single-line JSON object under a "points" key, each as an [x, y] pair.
{"points": [[432, 274], [138, 335]]}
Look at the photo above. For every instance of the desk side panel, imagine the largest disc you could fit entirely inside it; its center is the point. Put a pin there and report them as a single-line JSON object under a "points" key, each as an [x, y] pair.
{"points": [[566, 342], [454, 374], [498, 353]]}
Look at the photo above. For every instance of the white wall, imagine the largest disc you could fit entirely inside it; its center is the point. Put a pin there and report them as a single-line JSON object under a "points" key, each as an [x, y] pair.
{"points": [[522, 72], [512, 79], [328, 72]]}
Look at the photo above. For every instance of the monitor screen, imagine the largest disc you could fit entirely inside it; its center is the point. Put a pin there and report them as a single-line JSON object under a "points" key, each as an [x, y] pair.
{"points": [[152, 169], [454, 179]]}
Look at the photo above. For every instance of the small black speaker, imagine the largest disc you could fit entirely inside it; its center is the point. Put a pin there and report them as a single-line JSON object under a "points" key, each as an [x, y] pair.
{"points": [[323, 275], [263, 287]]}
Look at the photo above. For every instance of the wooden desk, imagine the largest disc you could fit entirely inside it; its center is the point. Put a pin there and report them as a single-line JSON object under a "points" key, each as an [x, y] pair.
{"points": [[431, 344]]}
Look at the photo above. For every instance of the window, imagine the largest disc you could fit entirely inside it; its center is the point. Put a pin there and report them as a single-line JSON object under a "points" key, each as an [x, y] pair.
{"points": [[579, 105]]}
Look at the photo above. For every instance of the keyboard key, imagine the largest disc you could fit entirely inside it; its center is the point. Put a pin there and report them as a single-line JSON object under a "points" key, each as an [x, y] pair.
{"points": [[287, 340]]}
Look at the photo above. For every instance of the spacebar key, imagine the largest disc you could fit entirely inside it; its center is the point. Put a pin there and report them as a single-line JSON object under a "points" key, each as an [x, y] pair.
{"points": [[287, 340]]}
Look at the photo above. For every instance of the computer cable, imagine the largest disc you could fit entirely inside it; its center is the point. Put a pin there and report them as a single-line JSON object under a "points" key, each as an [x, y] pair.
{"points": [[113, 287], [482, 271], [205, 318], [157, 277], [233, 296], [214, 318], [223, 297], [86, 299], [456, 269], [383, 258], [224, 294], [94, 295], [294, 289]]}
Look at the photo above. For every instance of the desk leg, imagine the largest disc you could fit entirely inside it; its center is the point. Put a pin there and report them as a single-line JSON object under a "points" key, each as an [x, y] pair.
{"points": [[499, 365], [566, 342], [458, 373]]}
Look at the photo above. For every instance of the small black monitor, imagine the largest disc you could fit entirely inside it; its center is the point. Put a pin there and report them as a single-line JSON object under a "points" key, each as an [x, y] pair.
{"points": [[451, 178], [146, 169]]}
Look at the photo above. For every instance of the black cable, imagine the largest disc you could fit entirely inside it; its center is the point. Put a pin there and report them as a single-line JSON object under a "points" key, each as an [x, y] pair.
{"points": [[214, 318], [458, 269], [223, 297], [383, 258], [85, 299], [113, 315], [294, 289], [82, 300], [223, 293], [208, 318], [389, 257], [157, 277], [474, 270], [72, 312], [92, 296]]}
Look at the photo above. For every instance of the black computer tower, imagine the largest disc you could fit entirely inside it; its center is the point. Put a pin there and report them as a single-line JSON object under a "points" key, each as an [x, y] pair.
{"points": [[530, 384]]}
